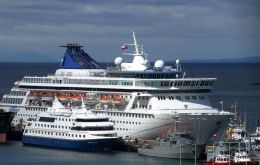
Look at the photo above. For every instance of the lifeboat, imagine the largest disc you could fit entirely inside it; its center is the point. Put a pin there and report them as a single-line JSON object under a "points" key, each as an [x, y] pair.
{"points": [[69, 97], [118, 100], [105, 99]]}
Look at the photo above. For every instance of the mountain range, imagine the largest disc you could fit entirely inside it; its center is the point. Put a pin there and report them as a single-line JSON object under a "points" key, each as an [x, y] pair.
{"points": [[255, 59]]}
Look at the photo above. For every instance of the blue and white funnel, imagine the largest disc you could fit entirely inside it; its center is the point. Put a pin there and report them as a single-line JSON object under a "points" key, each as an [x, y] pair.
{"points": [[76, 58]]}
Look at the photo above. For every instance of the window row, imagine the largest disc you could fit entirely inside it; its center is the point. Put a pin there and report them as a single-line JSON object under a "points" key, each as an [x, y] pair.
{"points": [[36, 109], [8, 100], [127, 114], [52, 126], [139, 106], [59, 134], [17, 93], [180, 98], [175, 83], [127, 122], [36, 80], [96, 128]]}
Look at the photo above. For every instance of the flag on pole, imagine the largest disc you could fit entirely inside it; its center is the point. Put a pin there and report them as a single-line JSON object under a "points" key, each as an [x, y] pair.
{"points": [[124, 47]]}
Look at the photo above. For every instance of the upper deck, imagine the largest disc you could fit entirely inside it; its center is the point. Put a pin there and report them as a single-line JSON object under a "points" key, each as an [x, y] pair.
{"points": [[116, 83], [135, 76]]}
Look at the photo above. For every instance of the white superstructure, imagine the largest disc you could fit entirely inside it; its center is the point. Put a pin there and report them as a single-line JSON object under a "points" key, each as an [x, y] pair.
{"points": [[142, 100]]}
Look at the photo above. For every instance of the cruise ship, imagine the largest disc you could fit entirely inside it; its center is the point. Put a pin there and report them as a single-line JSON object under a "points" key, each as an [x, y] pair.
{"points": [[143, 100], [70, 128]]}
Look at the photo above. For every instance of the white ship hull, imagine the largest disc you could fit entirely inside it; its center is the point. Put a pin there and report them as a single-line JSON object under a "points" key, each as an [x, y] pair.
{"points": [[201, 126]]}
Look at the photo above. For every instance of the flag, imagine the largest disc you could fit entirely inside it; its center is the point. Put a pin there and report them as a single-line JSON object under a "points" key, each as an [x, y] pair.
{"points": [[124, 47]]}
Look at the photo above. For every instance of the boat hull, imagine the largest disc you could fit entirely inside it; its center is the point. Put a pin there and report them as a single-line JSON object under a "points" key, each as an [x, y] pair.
{"points": [[5, 124], [201, 126], [187, 152], [232, 163], [82, 145]]}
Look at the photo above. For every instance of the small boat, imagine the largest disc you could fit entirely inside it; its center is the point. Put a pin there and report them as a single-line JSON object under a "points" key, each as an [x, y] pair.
{"points": [[173, 145], [229, 153], [240, 158], [77, 128], [220, 159]]}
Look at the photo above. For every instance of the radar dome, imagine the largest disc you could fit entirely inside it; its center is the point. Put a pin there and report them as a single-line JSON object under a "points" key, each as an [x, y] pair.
{"points": [[178, 61], [159, 64], [118, 60]]}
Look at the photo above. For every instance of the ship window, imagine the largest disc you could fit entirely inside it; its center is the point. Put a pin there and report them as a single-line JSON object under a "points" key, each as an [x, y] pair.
{"points": [[202, 83], [187, 97], [92, 120]]}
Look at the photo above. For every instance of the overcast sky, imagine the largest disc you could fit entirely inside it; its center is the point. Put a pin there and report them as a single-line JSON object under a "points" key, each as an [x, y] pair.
{"points": [[32, 30]]}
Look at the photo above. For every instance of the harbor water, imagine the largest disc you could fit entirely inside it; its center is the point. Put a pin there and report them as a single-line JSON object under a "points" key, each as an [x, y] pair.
{"points": [[234, 83]]}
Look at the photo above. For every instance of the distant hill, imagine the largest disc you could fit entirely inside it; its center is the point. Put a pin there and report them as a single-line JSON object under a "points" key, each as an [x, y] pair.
{"points": [[255, 59]]}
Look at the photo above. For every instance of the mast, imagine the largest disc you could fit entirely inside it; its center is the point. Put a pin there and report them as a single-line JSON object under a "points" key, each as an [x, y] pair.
{"points": [[136, 46]]}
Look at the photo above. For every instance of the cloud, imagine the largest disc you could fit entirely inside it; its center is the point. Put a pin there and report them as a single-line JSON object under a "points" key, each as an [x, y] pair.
{"points": [[38, 27]]}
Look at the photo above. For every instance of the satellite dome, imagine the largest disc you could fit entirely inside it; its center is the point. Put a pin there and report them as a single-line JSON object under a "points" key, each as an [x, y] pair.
{"points": [[178, 61], [118, 60], [159, 64]]}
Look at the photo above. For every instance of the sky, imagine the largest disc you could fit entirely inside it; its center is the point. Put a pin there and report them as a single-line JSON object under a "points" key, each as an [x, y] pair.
{"points": [[33, 30]]}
